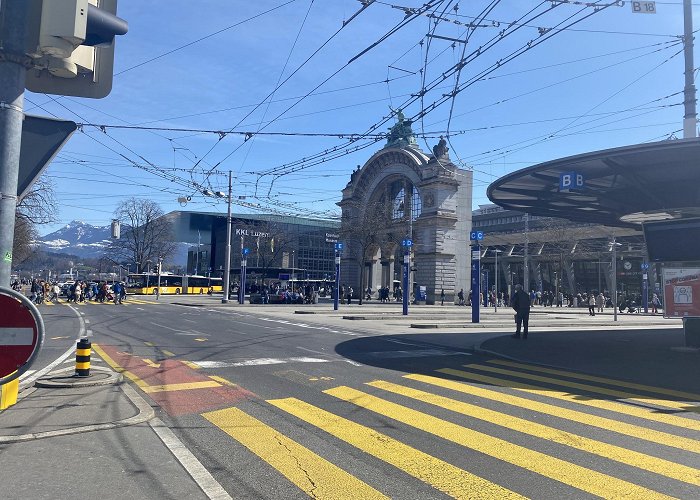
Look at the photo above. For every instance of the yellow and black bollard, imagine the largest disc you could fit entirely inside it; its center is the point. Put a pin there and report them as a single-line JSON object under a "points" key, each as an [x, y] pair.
{"points": [[82, 358]]}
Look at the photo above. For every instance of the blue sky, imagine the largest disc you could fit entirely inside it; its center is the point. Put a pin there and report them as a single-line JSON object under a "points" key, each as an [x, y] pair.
{"points": [[287, 73]]}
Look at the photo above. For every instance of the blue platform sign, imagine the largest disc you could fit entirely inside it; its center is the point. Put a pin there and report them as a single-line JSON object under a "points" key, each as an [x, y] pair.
{"points": [[407, 243], [571, 181], [246, 251], [476, 235], [339, 246], [645, 266]]}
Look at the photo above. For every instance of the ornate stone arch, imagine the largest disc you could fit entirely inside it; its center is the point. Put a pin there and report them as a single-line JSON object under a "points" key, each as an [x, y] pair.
{"points": [[438, 217]]}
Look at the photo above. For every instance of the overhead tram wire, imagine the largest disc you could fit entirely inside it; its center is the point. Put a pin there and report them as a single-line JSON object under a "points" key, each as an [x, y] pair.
{"points": [[277, 84], [400, 25], [210, 35], [330, 153], [365, 6], [553, 134], [154, 170]]}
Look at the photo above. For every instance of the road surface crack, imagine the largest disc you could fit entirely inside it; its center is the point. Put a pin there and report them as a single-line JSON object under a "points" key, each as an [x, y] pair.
{"points": [[311, 492]]}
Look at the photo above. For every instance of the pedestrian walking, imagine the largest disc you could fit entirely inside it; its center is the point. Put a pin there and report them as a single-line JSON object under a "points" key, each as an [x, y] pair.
{"points": [[591, 304], [460, 296], [442, 297], [521, 305]]}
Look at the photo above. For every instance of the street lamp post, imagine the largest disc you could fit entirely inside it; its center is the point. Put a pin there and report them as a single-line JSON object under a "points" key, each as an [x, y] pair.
{"points": [[227, 262], [160, 267], [614, 277], [407, 244], [496, 251], [336, 292]]}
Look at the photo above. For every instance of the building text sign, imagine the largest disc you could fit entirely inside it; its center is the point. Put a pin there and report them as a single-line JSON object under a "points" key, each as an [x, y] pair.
{"points": [[644, 7], [681, 292]]}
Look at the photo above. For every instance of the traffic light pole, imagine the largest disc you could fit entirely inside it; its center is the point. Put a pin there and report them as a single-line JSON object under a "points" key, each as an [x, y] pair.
{"points": [[13, 71]]}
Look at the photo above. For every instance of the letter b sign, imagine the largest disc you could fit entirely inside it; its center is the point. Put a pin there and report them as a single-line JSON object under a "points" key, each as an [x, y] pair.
{"points": [[570, 181]]}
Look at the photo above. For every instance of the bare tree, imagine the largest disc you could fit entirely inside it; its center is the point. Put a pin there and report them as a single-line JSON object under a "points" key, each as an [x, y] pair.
{"points": [[146, 233], [367, 228], [36, 207]]}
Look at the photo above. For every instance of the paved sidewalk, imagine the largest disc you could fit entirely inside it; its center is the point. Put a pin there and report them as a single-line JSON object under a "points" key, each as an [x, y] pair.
{"points": [[87, 442]]}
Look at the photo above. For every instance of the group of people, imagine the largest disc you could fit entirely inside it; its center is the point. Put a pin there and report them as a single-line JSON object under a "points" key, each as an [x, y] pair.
{"points": [[80, 291]]}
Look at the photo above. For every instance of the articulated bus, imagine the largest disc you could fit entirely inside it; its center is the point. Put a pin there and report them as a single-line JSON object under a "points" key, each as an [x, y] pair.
{"points": [[174, 284]]}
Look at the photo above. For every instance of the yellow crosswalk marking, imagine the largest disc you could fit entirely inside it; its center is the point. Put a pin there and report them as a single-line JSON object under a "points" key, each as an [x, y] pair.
{"points": [[438, 473], [624, 428], [619, 454], [314, 475], [599, 390], [591, 378], [185, 386], [574, 475]]}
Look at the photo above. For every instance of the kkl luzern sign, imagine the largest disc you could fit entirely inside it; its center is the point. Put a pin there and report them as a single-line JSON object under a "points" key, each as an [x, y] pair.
{"points": [[252, 232]]}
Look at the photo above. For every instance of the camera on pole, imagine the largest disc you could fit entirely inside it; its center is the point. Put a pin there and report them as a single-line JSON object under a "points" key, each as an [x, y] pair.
{"points": [[71, 44]]}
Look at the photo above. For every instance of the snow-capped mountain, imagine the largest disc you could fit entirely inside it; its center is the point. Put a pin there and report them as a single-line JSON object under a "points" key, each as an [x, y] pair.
{"points": [[77, 238]]}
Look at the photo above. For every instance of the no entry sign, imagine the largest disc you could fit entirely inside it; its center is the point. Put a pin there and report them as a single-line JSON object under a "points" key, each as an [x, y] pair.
{"points": [[21, 334]]}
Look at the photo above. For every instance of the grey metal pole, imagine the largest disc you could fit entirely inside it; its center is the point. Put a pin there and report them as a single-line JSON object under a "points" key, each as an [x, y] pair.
{"points": [[614, 278], [160, 269], [526, 265], [690, 117], [227, 262], [13, 70], [495, 302]]}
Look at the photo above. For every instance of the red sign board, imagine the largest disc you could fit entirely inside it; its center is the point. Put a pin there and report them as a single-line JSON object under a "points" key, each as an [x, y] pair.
{"points": [[681, 292], [19, 334]]}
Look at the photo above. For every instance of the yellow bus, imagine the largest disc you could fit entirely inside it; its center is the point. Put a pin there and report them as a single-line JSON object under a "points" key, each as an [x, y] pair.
{"points": [[172, 284]]}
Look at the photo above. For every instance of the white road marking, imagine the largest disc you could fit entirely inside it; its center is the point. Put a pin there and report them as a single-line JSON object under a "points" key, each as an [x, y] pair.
{"points": [[260, 361], [87, 321], [194, 467], [140, 308], [418, 353]]}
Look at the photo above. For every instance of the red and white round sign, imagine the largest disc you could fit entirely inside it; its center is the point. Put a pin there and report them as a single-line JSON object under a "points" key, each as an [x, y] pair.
{"points": [[20, 332]]}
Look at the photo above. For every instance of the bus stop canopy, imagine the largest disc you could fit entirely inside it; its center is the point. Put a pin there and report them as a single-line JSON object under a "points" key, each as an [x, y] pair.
{"points": [[622, 186]]}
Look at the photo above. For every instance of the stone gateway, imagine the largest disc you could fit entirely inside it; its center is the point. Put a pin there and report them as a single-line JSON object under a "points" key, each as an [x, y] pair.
{"points": [[400, 193]]}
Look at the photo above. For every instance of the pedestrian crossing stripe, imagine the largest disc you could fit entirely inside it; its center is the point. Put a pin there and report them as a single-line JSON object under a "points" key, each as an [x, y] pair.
{"points": [[591, 378], [314, 475], [442, 475], [617, 453], [611, 424], [579, 477], [637, 398]]}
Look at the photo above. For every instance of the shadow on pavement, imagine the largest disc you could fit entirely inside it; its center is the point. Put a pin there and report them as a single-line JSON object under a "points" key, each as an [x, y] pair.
{"points": [[586, 365]]}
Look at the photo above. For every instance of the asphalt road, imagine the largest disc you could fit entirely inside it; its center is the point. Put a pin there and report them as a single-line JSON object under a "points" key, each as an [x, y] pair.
{"points": [[285, 408]]}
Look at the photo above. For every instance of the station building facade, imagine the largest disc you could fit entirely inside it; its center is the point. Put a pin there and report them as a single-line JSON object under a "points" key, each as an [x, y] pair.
{"points": [[562, 255]]}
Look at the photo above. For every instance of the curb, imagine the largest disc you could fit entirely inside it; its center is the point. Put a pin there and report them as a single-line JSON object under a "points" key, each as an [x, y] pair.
{"points": [[58, 380], [145, 414]]}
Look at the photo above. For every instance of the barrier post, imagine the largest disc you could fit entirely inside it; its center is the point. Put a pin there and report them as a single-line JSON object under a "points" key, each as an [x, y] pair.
{"points": [[8, 394], [82, 358]]}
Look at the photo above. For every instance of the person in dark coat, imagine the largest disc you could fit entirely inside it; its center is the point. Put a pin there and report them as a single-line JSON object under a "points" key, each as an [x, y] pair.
{"points": [[521, 305]]}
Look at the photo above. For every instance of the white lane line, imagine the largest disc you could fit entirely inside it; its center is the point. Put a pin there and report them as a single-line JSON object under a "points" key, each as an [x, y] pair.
{"points": [[260, 361], [189, 320], [140, 308], [418, 353], [210, 486]]}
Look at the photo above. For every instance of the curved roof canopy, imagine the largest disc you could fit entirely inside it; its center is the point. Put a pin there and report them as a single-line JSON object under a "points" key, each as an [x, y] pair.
{"points": [[622, 186]]}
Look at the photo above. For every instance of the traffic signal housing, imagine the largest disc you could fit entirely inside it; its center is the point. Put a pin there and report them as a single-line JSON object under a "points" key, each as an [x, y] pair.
{"points": [[71, 43]]}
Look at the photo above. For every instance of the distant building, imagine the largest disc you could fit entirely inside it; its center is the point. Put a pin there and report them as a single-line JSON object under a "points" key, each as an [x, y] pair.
{"points": [[279, 247], [573, 257]]}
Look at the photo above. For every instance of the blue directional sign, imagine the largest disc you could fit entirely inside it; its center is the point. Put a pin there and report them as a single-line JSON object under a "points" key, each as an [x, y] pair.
{"points": [[476, 235], [407, 243], [571, 181], [645, 265], [338, 246], [246, 251]]}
